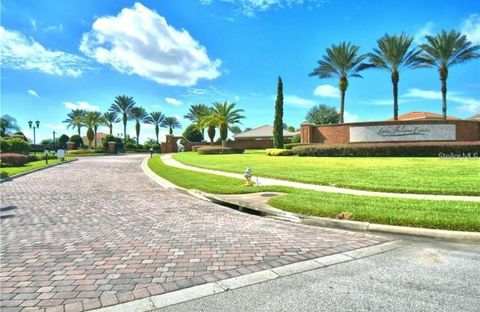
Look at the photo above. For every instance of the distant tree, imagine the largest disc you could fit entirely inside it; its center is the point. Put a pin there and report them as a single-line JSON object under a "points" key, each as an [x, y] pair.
{"points": [[443, 51], [278, 120], [46, 142], [247, 129], [192, 134], [195, 113], [223, 116], [122, 106], [322, 115], [156, 118], [8, 124], [75, 119], [171, 123], [290, 129], [109, 119], [139, 114], [62, 140], [394, 54], [235, 130], [342, 61], [296, 138], [91, 121]]}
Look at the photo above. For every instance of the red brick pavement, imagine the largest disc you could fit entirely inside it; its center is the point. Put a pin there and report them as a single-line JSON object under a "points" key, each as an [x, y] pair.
{"points": [[98, 232]]}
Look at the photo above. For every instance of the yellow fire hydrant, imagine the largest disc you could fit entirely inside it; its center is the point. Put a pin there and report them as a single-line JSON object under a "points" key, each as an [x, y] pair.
{"points": [[248, 177]]}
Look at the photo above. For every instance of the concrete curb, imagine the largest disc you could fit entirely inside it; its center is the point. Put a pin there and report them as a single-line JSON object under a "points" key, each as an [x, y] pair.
{"points": [[209, 289], [457, 236], [18, 175]]}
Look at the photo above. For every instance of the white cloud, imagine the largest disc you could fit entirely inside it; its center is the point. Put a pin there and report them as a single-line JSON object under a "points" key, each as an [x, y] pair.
{"points": [[139, 41], [293, 100], [32, 93], [33, 23], [419, 36], [81, 105], [471, 28], [173, 101], [348, 117], [58, 28], [468, 104], [250, 7], [327, 90], [21, 52]]}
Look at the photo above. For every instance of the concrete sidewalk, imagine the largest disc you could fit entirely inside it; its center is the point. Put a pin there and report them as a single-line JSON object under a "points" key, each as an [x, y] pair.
{"points": [[168, 160]]}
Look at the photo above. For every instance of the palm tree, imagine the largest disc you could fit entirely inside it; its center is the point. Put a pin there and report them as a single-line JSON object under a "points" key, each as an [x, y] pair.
{"points": [[109, 119], [195, 113], [8, 124], [91, 121], [224, 116], [122, 105], [75, 119], [156, 118], [171, 123], [139, 114], [341, 61], [443, 51], [393, 55]]}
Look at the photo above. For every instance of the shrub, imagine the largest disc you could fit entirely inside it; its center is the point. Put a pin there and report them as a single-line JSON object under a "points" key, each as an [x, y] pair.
{"points": [[62, 141], [131, 145], [40, 157], [192, 134], [219, 150], [291, 145], [278, 152], [111, 138], [77, 140], [390, 150], [14, 145], [85, 151], [151, 144], [296, 138], [13, 159], [196, 147]]}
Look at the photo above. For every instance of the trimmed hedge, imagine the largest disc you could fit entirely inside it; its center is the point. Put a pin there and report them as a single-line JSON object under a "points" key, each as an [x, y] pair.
{"points": [[219, 150], [13, 159], [84, 151], [14, 145], [391, 150], [41, 157], [292, 145], [278, 152], [196, 147]]}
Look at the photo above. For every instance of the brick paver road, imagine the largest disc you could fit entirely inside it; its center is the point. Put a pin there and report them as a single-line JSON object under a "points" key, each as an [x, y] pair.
{"points": [[98, 231]]}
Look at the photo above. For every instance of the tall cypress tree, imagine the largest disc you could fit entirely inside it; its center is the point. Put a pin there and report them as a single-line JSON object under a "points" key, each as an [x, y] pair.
{"points": [[278, 122]]}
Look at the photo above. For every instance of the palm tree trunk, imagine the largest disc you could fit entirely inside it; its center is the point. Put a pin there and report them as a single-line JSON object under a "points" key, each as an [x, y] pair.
{"points": [[157, 130], [95, 133], [78, 128], [395, 79], [444, 97], [111, 129], [342, 105], [211, 134], [137, 130], [125, 131]]}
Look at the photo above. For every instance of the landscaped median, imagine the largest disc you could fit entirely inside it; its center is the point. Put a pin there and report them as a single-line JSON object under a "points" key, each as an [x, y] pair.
{"points": [[10, 171], [433, 214], [420, 175]]}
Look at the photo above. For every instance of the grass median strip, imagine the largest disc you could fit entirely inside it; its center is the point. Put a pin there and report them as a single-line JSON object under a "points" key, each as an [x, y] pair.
{"points": [[447, 215], [7, 171], [421, 175]]}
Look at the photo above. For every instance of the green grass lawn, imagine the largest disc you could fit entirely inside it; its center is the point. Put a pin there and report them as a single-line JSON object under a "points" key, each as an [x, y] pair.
{"points": [[450, 215], [7, 171], [390, 174]]}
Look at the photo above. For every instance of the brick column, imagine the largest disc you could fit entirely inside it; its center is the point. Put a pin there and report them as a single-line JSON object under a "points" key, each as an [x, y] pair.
{"points": [[112, 147], [306, 133], [71, 146]]}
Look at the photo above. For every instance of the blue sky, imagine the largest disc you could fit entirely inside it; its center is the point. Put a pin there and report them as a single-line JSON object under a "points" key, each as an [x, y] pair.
{"points": [[58, 55]]}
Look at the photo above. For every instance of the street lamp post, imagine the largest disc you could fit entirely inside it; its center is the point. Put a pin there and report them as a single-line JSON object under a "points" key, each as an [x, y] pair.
{"points": [[34, 127], [53, 144]]}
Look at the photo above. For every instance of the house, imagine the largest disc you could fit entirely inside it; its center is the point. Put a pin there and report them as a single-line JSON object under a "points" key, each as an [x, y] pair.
{"points": [[262, 133], [423, 116], [100, 136], [474, 117]]}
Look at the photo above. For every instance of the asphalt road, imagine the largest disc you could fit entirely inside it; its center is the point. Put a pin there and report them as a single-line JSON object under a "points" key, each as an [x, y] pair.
{"points": [[425, 275]]}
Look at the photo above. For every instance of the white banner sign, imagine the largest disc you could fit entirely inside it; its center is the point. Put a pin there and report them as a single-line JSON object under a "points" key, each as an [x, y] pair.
{"points": [[425, 132]]}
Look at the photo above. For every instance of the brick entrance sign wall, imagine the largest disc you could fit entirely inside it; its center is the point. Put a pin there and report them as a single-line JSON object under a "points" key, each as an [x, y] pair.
{"points": [[464, 130]]}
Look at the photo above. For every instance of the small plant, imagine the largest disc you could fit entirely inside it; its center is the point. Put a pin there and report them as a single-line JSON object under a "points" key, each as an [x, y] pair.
{"points": [[13, 159], [278, 152], [208, 150], [344, 215]]}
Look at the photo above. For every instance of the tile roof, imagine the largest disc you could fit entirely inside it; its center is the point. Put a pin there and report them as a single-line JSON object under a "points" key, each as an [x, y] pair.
{"points": [[265, 131]]}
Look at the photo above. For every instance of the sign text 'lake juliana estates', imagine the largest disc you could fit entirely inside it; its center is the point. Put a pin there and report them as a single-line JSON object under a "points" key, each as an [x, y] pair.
{"points": [[384, 133]]}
